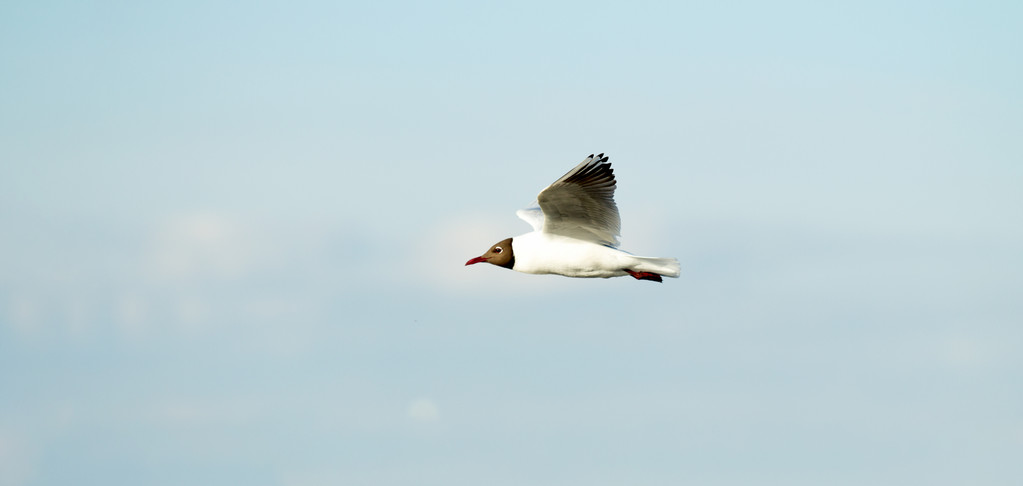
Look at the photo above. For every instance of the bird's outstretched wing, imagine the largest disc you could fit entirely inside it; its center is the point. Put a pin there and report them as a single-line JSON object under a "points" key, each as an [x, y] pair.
{"points": [[580, 204]]}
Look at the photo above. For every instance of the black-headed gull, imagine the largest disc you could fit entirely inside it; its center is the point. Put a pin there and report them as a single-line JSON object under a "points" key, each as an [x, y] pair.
{"points": [[575, 232]]}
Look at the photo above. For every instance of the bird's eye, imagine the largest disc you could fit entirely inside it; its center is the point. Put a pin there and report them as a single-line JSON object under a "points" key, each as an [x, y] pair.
{"points": [[497, 249]]}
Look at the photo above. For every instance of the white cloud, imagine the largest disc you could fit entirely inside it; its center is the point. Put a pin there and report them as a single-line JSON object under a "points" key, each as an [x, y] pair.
{"points": [[423, 410], [202, 245]]}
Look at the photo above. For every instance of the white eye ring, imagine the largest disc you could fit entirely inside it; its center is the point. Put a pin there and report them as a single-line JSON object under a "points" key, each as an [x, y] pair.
{"points": [[497, 249]]}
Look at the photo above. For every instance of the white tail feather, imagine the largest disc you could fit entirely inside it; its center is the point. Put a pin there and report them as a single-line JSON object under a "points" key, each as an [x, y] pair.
{"points": [[667, 267]]}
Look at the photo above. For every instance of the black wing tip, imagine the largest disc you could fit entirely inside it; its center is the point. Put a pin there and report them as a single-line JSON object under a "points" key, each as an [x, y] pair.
{"points": [[595, 173], [598, 160]]}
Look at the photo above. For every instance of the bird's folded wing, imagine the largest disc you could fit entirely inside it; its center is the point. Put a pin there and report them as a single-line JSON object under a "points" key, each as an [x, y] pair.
{"points": [[581, 204]]}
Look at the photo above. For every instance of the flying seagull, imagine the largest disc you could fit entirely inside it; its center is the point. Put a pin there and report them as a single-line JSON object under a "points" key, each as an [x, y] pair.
{"points": [[575, 232]]}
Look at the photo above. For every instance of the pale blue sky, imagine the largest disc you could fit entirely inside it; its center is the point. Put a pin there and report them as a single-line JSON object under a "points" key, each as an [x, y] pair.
{"points": [[233, 238]]}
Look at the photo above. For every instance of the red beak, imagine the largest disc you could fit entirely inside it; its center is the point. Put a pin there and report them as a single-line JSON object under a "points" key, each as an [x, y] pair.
{"points": [[476, 260]]}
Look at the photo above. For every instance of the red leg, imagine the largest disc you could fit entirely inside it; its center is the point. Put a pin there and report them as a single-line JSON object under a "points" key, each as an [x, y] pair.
{"points": [[644, 275]]}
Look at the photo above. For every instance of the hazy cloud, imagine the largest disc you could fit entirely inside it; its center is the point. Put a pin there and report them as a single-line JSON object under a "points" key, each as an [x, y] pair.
{"points": [[202, 245], [423, 410], [17, 463]]}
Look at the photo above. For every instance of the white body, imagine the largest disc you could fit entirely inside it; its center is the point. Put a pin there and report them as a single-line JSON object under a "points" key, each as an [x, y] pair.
{"points": [[541, 253]]}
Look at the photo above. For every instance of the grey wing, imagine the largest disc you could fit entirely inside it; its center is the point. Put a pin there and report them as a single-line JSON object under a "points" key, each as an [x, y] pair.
{"points": [[581, 203]]}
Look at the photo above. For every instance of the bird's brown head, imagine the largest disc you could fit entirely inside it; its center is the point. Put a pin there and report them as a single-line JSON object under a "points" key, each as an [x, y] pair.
{"points": [[500, 254]]}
